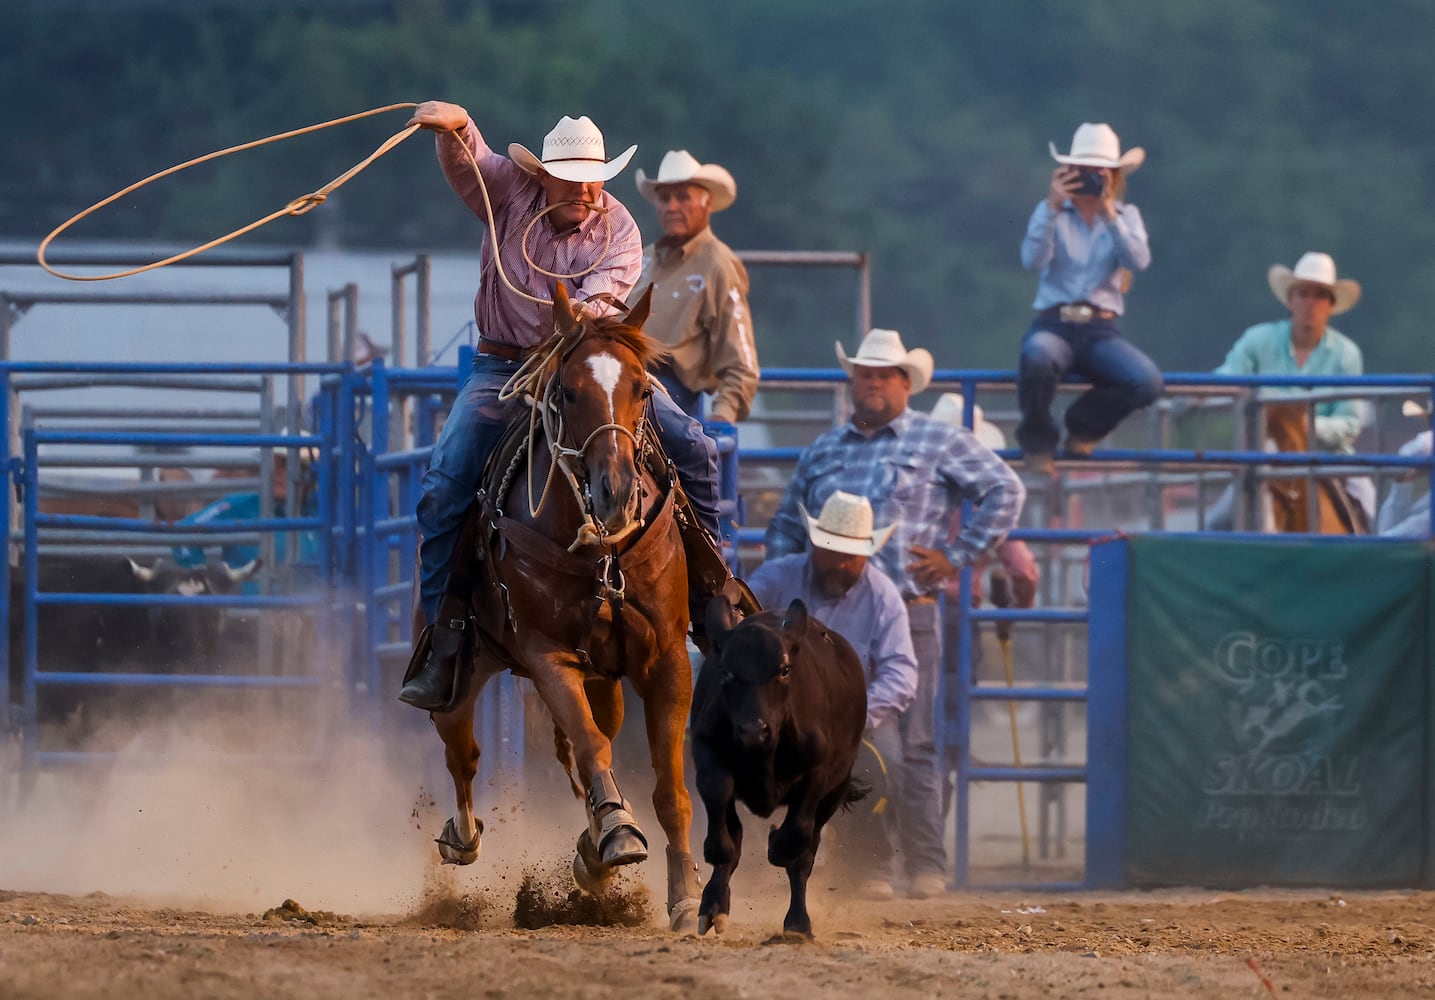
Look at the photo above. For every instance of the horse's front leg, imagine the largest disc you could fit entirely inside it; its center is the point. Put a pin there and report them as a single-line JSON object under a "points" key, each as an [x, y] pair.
{"points": [[666, 700], [458, 844], [613, 837]]}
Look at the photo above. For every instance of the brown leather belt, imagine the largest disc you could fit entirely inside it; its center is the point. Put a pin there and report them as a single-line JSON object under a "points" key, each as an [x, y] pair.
{"points": [[919, 599], [508, 352], [1077, 312]]}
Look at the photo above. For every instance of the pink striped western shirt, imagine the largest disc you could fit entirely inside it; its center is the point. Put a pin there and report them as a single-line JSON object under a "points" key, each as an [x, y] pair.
{"points": [[517, 197]]}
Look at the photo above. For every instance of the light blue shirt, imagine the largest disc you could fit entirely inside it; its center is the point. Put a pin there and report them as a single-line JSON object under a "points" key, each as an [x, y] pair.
{"points": [[871, 616], [1081, 263], [1265, 349]]}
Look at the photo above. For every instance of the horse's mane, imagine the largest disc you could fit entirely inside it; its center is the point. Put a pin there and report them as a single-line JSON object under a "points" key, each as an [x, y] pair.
{"points": [[623, 334]]}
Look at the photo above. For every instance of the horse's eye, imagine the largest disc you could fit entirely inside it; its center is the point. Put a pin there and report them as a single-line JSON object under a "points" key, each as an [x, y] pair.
{"points": [[784, 668], [569, 395]]}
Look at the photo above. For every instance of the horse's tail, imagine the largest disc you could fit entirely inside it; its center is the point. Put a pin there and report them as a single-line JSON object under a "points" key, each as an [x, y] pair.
{"points": [[563, 747]]}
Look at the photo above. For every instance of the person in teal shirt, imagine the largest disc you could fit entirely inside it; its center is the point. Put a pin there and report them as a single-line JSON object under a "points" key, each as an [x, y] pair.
{"points": [[1306, 344]]}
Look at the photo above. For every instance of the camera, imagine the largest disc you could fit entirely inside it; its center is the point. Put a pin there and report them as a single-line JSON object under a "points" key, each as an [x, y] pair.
{"points": [[1090, 180]]}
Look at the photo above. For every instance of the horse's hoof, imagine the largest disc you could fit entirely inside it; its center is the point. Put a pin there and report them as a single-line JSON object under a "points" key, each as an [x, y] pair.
{"points": [[684, 916], [591, 879], [623, 846], [453, 850]]}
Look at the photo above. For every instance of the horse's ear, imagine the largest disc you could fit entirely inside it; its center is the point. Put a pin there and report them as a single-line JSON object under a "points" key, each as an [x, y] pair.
{"points": [[563, 317], [794, 623], [638, 314], [721, 617]]}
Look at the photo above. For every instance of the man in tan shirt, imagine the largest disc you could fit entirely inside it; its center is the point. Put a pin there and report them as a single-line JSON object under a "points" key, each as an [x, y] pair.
{"points": [[699, 291]]}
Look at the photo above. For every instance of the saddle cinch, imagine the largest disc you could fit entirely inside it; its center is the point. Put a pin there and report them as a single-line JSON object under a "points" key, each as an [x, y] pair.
{"points": [[488, 537]]}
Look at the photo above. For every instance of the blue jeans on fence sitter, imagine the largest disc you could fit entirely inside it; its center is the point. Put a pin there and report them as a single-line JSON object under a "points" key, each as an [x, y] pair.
{"points": [[915, 782], [1123, 380], [472, 431]]}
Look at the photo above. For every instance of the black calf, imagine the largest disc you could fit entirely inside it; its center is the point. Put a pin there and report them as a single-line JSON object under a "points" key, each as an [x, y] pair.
{"points": [[777, 721]]}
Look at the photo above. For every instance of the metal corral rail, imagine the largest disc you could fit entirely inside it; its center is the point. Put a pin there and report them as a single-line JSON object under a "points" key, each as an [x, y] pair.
{"points": [[332, 461]]}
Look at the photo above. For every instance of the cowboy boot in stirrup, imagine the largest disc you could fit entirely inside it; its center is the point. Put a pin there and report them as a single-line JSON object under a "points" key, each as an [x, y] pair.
{"points": [[432, 682]]}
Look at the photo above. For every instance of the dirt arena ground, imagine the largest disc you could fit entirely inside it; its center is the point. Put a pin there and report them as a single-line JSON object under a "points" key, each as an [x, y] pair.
{"points": [[170, 879], [965, 946]]}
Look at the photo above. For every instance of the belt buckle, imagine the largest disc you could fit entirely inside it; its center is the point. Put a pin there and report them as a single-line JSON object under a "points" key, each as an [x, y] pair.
{"points": [[1077, 313]]}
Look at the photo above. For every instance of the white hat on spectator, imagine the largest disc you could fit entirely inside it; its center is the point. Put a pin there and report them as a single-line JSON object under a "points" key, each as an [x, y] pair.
{"points": [[883, 349], [681, 167], [846, 526], [1095, 144], [949, 409], [1315, 269]]}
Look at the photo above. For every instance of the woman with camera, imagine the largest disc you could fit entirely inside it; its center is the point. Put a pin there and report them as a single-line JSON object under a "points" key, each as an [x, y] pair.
{"points": [[1085, 239]]}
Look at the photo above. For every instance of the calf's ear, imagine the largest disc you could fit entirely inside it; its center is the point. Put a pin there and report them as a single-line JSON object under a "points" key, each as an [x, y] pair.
{"points": [[721, 617], [794, 623]]}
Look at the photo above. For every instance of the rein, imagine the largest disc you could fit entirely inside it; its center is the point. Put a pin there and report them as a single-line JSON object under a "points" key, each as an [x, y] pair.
{"points": [[308, 202]]}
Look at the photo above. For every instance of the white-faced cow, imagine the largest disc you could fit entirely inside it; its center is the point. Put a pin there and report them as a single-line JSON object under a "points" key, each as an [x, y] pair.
{"points": [[776, 721]]}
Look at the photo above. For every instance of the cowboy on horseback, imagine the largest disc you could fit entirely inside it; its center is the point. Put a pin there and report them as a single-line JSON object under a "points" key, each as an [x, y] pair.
{"points": [[551, 220]]}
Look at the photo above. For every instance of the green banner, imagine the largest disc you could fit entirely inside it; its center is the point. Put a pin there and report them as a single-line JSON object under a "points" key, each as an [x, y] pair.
{"points": [[1278, 712]]}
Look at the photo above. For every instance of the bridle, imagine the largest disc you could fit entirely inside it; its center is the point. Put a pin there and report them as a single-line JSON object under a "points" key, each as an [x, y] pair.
{"points": [[546, 410]]}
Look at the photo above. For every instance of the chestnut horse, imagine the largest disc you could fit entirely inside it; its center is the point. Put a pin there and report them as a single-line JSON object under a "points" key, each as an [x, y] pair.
{"points": [[572, 570], [1339, 514]]}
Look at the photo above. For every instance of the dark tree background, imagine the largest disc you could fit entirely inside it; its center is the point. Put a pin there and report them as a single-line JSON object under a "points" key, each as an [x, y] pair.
{"points": [[915, 131]]}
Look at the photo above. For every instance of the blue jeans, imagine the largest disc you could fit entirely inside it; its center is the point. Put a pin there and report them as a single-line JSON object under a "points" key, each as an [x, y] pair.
{"points": [[472, 431], [688, 401], [1122, 380]]}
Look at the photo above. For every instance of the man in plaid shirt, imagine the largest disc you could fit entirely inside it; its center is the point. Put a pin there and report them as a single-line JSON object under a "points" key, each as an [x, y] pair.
{"points": [[916, 472]]}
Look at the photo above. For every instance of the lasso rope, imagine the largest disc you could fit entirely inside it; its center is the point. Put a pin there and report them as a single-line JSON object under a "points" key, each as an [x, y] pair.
{"points": [[307, 203]]}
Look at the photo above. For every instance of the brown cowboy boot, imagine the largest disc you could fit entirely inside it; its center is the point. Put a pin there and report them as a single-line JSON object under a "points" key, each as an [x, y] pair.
{"points": [[709, 575]]}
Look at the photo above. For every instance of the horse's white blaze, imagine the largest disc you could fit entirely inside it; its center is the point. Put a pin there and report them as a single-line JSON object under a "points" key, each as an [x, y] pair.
{"points": [[606, 371]]}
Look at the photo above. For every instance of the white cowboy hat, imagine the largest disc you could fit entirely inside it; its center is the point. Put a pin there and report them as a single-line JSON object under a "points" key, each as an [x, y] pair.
{"points": [[573, 151], [1096, 145], [846, 526], [1318, 269], [949, 409], [883, 349], [681, 167]]}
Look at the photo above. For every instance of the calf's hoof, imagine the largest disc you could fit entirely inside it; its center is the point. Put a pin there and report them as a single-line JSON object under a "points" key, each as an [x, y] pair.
{"points": [[716, 921], [455, 851]]}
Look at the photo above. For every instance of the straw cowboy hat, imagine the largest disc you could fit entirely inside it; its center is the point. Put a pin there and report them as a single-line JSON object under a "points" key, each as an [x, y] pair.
{"points": [[681, 167], [1096, 145], [1318, 269], [949, 409], [573, 151], [883, 349], [846, 526]]}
